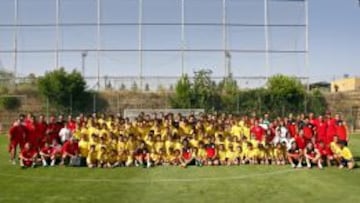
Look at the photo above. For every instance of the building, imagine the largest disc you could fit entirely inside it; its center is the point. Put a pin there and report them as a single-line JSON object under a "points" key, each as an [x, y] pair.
{"points": [[346, 84], [322, 86]]}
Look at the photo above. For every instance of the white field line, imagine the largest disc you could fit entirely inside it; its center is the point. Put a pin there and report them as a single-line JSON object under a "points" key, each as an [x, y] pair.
{"points": [[229, 178]]}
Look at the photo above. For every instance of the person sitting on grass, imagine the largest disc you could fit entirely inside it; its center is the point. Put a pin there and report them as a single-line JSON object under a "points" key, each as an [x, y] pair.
{"points": [[187, 156], [142, 156], [346, 157], [294, 155], [113, 159], [91, 159], [312, 156], [69, 150], [27, 156], [47, 155], [102, 157]]}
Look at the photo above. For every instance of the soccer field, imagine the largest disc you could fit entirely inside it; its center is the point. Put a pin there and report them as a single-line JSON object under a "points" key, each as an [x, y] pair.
{"points": [[175, 184]]}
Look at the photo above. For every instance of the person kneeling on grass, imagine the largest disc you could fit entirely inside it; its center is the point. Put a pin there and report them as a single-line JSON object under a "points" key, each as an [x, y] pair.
{"points": [[102, 157], [187, 156], [70, 150], [28, 156], [142, 156], [312, 156], [47, 154], [294, 155], [346, 157], [113, 159], [91, 159]]}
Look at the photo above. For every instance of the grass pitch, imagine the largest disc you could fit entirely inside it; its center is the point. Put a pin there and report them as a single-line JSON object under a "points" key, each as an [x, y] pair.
{"points": [[174, 184]]}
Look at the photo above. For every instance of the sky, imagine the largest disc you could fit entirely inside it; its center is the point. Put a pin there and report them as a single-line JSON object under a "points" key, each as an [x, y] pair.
{"points": [[334, 43]]}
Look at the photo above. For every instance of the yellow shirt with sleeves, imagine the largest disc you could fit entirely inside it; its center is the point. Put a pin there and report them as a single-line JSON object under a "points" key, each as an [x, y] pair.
{"points": [[130, 145], [346, 153], [92, 157], [158, 146], [102, 157], [201, 153], [112, 158], [236, 130], [222, 155], [231, 155], [194, 143], [178, 146], [278, 153], [169, 144], [84, 148], [335, 148]]}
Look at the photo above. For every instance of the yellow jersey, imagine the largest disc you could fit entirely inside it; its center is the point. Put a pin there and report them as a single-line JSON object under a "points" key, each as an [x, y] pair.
{"points": [[346, 153]]}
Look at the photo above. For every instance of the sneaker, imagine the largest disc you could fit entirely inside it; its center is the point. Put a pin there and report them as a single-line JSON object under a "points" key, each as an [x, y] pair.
{"points": [[320, 166], [309, 165], [293, 165], [299, 165], [13, 162], [341, 166]]}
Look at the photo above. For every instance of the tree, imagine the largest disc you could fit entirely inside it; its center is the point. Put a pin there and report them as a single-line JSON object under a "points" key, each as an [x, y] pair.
{"points": [[204, 91], [63, 88], [287, 94], [134, 87], [147, 87], [183, 93], [228, 90], [9, 103], [122, 86]]}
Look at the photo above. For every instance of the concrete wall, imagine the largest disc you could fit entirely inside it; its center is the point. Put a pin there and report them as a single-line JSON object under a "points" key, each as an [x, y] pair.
{"points": [[346, 84]]}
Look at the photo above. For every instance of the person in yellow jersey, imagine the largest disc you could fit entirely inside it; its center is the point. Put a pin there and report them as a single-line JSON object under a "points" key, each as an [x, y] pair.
{"points": [[91, 159], [102, 157], [335, 149], [262, 155], [249, 155], [129, 158], [83, 148], [231, 156], [346, 157], [159, 143], [222, 155], [200, 157], [236, 129], [112, 159], [279, 154]]}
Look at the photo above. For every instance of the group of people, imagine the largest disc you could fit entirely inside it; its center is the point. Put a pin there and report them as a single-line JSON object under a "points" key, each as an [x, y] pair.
{"points": [[108, 141]]}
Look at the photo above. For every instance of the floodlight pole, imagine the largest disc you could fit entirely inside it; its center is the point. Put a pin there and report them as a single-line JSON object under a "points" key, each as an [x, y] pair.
{"points": [[16, 19], [98, 42], [140, 41], [306, 56], [224, 33], [57, 20], [182, 37], [266, 32]]}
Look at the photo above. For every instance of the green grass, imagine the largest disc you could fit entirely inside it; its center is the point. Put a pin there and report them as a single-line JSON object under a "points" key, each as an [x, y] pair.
{"points": [[165, 184]]}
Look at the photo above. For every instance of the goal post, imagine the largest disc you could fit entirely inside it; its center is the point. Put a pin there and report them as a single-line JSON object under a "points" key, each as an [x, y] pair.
{"points": [[133, 113]]}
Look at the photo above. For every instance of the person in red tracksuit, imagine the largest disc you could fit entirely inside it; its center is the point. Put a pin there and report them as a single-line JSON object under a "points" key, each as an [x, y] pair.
{"points": [[321, 130], [308, 130], [27, 156], [341, 132], [32, 136], [331, 128], [41, 127], [17, 136]]}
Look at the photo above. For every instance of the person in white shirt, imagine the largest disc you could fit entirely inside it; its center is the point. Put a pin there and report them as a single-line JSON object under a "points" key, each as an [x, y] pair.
{"points": [[65, 134]]}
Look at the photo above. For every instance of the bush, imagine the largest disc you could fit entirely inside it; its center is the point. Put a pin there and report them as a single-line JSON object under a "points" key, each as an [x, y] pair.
{"points": [[10, 103]]}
